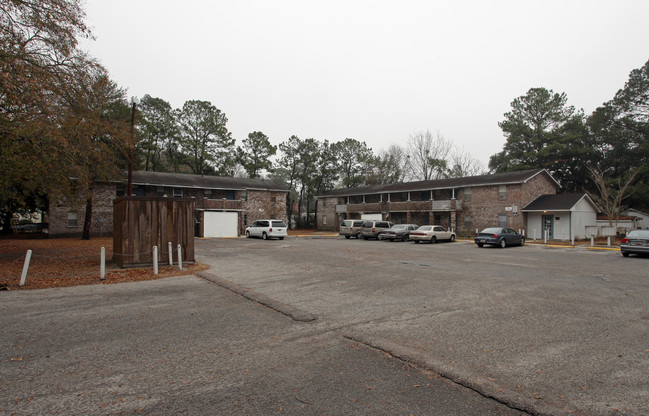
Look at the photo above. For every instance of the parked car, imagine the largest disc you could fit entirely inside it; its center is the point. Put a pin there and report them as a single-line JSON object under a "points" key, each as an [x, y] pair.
{"points": [[266, 229], [398, 232], [635, 242], [371, 229], [500, 237], [350, 228], [432, 234]]}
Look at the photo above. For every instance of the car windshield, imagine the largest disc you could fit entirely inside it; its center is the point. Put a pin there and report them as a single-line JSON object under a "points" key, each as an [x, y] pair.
{"points": [[279, 224], [425, 228], [490, 231], [638, 234], [399, 227]]}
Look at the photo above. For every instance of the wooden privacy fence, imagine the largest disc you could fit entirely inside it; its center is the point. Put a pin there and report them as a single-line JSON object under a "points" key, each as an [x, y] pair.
{"points": [[140, 223]]}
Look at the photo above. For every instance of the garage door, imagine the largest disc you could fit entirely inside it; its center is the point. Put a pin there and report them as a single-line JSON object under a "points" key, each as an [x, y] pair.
{"points": [[220, 224]]}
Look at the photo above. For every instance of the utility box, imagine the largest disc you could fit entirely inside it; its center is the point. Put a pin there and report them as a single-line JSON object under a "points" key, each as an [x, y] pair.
{"points": [[141, 222]]}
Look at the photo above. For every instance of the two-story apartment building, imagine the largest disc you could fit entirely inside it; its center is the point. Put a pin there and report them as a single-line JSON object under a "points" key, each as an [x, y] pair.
{"points": [[463, 204], [224, 206]]}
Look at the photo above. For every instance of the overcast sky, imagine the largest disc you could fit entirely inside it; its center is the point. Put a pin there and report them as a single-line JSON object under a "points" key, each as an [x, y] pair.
{"points": [[375, 71]]}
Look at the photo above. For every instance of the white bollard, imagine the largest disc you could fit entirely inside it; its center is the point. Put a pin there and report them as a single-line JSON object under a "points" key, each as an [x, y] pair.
{"points": [[155, 260], [23, 276], [592, 241], [171, 255], [608, 241], [180, 258], [102, 267]]}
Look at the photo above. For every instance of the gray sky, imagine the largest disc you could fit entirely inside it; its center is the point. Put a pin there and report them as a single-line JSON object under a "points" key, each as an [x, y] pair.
{"points": [[375, 71]]}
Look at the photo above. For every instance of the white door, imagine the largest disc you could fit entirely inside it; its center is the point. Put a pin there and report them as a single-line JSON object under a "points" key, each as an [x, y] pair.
{"points": [[221, 224]]}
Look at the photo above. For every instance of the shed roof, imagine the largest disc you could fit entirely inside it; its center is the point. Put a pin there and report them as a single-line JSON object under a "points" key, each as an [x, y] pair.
{"points": [[505, 178], [186, 180], [557, 202]]}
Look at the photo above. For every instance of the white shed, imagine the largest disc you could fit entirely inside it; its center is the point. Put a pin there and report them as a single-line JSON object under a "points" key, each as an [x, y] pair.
{"points": [[563, 216]]}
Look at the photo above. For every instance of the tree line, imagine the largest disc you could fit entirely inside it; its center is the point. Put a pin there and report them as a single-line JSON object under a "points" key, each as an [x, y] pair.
{"points": [[64, 125]]}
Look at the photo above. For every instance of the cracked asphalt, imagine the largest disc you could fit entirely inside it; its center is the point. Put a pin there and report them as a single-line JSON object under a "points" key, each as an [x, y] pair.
{"points": [[334, 326]]}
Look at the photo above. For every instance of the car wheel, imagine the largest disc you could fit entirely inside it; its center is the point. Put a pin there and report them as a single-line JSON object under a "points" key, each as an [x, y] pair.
{"points": [[264, 236], [404, 238], [347, 237], [502, 243], [625, 254], [522, 241], [480, 244], [247, 234], [433, 240], [452, 237]]}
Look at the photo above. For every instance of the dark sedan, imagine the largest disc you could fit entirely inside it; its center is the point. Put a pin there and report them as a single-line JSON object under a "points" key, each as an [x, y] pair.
{"points": [[398, 232], [499, 237], [636, 242]]}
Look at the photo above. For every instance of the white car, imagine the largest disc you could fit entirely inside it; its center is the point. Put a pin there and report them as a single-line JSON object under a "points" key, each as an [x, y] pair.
{"points": [[266, 229], [432, 234]]}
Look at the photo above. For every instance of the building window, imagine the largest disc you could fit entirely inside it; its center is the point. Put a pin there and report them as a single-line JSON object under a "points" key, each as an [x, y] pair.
{"points": [[160, 191], [244, 195], [425, 196], [229, 195], [467, 195], [137, 190], [245, 219], [502, 192], [73, 220], [178, 192], [324, 202], [120, 190], [207, 193], [467, 222]]}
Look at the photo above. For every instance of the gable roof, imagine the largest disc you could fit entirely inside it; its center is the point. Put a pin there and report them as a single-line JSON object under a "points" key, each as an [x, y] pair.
{"points": [[505, 178], [557, 202], [186, 180]]}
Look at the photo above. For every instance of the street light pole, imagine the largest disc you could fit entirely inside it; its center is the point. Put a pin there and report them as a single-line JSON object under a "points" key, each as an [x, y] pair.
{"points": [[134, 102]]}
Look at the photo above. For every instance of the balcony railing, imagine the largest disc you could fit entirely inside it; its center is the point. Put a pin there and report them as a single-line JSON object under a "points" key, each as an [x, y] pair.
{"points": [[422, 206]]}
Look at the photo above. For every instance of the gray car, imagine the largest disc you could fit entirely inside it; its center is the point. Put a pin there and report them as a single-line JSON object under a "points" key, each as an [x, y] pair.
{"points": [[635, 242], [398, 232], [372, 229], [499, 237]]}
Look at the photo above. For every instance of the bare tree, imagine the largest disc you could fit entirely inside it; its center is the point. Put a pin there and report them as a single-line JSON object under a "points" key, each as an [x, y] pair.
{"points": [[428, 155], [611, 192], [391, 166], [464, 164]]}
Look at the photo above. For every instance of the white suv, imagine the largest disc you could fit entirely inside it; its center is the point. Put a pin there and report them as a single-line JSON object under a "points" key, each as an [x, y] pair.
{"points": [[266, 229]]}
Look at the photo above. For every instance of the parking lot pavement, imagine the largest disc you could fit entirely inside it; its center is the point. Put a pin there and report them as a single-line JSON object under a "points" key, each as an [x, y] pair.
{"points": [[184, 345], [550, 330]]}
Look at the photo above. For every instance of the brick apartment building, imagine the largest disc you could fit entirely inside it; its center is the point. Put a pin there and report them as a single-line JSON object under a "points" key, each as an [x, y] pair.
{"points": [[463, 204], [224, 206]]}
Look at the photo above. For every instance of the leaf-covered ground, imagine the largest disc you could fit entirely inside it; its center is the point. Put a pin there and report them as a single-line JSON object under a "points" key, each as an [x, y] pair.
{"points": [[60, 262]]}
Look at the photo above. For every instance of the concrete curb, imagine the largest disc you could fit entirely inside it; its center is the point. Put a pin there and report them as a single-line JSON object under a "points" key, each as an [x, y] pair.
{"points": [[284, 309]]}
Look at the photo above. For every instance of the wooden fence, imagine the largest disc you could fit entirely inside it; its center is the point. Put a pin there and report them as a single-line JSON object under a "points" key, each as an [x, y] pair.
{"points": [[139, 223]]}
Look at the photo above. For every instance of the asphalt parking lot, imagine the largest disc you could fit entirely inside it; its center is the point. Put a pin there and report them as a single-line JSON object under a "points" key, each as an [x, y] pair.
{"points": [[547, 330], [351, 327]]}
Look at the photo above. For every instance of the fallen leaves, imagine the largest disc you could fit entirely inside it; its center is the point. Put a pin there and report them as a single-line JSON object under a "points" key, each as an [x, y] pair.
{"points": [[65, 262]]}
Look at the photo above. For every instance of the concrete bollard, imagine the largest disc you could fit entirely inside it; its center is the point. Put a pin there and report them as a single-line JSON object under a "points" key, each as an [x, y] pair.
{"points": [[171, 255], [102, 267], [23, 276], [180, 258], [155, 260]]}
